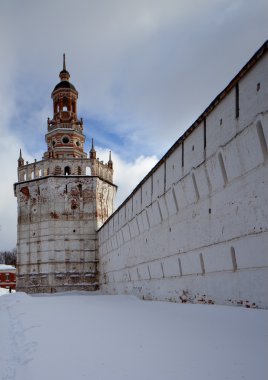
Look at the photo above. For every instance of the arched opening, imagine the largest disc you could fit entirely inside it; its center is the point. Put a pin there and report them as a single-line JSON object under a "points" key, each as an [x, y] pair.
{"points": [[32, 175], [65, 104], [262, 139], [79, 170], [88, 170], [67, 170]]}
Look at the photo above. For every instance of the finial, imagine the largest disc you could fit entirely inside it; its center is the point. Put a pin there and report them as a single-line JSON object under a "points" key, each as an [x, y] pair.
{"points": [[92, 154], [20, 160], [64, 65], [64, 74], [110, 162]]}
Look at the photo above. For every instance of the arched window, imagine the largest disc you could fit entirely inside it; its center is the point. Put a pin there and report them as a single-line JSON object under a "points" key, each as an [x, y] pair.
{"points": [[88, 170], [67, 170], [65, 104], [79, 170]]}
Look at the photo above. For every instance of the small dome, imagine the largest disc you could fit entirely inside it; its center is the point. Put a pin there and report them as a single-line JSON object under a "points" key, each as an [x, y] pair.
{"points": [[64, 84]]}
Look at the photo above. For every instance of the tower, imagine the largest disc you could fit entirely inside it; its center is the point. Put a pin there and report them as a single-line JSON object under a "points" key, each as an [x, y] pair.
{"points": [[62, 200]]}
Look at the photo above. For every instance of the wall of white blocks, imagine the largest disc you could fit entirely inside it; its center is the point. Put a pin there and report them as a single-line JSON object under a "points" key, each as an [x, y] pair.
{"points": [[197, 229]]}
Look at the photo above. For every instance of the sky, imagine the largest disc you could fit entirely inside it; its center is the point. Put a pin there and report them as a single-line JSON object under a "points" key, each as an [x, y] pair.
{"points": [[144, 69]]}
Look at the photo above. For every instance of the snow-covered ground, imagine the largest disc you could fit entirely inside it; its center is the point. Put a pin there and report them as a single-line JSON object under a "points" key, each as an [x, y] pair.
{"points": [[88, 336], [3, 291]]}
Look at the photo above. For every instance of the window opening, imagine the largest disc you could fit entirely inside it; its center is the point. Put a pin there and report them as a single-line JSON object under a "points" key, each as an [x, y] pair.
{"points": [[67, 170]]}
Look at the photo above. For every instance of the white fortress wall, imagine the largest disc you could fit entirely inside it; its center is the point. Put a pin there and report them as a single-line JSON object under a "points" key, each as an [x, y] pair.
{"points": [[196, 228]]}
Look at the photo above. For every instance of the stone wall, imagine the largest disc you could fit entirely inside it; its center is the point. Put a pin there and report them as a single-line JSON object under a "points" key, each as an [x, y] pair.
{"points": [[57, 221], [196, 228]]}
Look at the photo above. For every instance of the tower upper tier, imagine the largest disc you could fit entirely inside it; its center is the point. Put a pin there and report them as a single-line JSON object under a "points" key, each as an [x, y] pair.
{"points": [[65, 131]]}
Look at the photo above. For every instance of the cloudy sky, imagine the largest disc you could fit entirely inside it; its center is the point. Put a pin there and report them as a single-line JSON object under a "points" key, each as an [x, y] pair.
{"points": [[144, 69]]}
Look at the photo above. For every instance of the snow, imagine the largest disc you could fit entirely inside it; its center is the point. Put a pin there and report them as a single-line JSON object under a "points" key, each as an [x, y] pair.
{"points": [[2, 292], [6, 267], [93, 336]]}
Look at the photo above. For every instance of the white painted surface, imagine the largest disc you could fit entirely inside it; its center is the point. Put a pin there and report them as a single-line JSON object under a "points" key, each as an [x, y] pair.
{"points": [[197, 230]]}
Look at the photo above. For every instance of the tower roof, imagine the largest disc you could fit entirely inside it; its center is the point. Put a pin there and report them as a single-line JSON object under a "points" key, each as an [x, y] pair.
{"points": [[64, 84], [64, 76]]}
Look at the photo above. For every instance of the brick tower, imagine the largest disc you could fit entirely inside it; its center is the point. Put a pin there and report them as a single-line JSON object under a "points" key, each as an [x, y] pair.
{"points": [[62, 201]]}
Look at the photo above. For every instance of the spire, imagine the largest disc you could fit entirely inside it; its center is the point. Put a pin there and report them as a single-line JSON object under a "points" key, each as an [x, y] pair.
{"points": [[92, 145], [64, 74], [110, 162], [92, 153], [64, 65], [20, 160]]}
